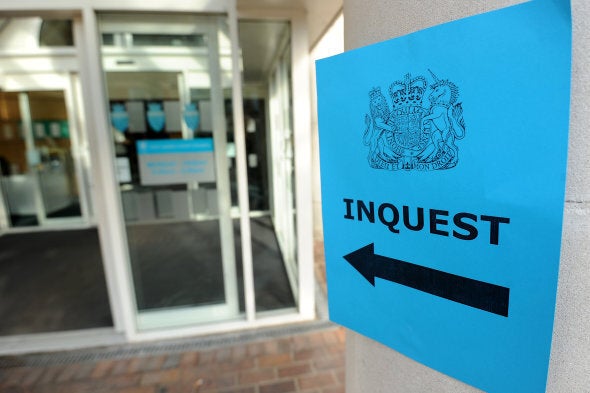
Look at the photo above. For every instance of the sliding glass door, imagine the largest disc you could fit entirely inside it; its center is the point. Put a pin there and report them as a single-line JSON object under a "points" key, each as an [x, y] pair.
{"points": [[165, 80]]}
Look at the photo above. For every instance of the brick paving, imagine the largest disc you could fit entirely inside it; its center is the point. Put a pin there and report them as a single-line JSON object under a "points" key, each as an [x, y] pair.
{"points": [[311, 362]]}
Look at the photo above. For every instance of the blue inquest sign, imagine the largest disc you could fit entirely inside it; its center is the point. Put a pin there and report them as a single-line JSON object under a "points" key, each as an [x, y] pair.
{"points": [[443, 157]]}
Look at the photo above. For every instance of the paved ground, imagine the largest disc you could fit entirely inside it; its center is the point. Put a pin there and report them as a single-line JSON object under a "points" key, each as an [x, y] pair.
{"points": [[307, 362]]}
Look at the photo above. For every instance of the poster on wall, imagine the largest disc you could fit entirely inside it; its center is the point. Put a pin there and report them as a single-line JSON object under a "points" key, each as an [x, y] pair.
{"points": [[175, 161], [443, 162]]}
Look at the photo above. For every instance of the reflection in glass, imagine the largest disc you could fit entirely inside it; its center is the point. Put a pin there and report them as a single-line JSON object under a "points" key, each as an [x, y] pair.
{"points": [[55, 32], [38, 172], [173, 234], [170, 40]]}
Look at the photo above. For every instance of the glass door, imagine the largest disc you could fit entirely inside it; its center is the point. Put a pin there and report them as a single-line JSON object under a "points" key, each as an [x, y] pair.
{"points": [[40, 156], [282, 157], [169, 132]]}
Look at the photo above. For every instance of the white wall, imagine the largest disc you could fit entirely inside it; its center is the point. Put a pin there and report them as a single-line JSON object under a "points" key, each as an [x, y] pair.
{"points": [[330, 44], [320, 15], [20, 34], [371, 367]]}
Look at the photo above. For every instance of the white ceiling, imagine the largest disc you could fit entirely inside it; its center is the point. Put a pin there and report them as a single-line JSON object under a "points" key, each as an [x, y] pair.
{"points": [[259, 40], [319, 13], [284, 4]]}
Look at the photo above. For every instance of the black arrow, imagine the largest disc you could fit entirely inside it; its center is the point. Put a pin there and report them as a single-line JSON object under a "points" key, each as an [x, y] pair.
{"points": [[485, 296]]}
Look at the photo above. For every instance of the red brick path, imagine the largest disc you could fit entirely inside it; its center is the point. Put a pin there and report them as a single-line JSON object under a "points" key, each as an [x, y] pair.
{"points": [[303, 363]]}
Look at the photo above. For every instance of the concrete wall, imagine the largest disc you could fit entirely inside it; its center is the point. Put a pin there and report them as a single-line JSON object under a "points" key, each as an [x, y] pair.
{"points": [[374, 368], [320, 15], [331, 43]]}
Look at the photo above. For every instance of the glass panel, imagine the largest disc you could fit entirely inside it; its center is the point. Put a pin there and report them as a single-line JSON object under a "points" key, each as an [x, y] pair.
{"points": [[169, 131], [282, 157], [155, 193], [108, 39], [56, 33], [39, 176], [56, 171], [18, 189], [174, 264], [256, 150], [231, 149], [179, 40], [269, 149]]}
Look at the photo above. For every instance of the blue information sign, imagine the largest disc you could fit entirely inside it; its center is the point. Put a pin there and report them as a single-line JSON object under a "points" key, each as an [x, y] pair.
{"points": [[443, 157], [176, 161]]}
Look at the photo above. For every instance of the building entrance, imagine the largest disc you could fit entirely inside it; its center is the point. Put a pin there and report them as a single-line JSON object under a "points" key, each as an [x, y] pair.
{"points": [[160, 202]]}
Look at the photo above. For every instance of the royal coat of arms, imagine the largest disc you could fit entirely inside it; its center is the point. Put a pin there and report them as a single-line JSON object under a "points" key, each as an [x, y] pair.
{"points": [[412, 136]]}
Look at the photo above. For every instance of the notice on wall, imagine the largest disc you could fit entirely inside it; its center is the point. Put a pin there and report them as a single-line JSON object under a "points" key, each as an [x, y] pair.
{"points": [[443, 163], [123, 170], [175, 161]]}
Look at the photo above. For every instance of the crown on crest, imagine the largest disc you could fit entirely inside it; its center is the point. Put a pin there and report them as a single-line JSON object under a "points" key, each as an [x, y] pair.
{"points": [[408, 92]]}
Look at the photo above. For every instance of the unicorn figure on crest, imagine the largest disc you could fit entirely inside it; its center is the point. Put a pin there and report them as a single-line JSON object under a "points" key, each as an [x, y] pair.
{"points": [[445, 121]]}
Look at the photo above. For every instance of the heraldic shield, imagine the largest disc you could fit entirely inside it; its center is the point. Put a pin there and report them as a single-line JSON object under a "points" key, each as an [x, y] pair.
{"points": [[409, 128], [410, 136]]}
